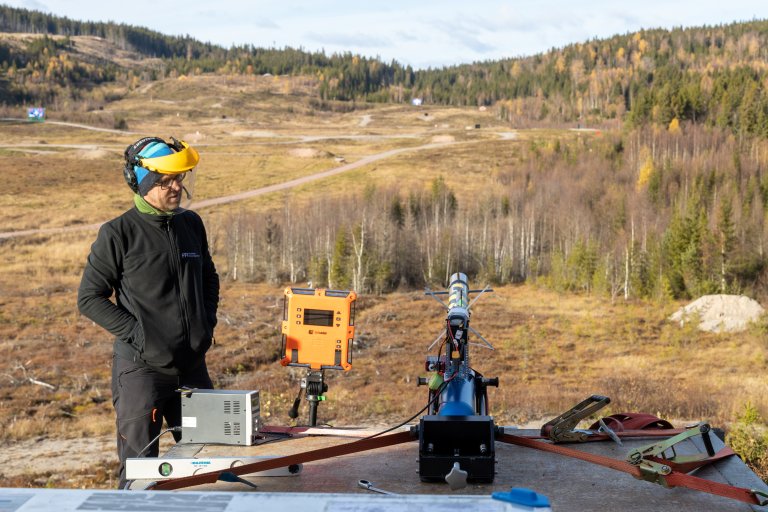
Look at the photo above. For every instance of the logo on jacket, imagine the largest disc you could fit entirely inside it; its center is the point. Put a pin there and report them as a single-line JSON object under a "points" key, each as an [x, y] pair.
{"points": [[190, 255]]}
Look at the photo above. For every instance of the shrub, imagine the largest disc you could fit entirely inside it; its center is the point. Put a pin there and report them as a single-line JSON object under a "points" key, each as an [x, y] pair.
{"points": [[749, 439]]}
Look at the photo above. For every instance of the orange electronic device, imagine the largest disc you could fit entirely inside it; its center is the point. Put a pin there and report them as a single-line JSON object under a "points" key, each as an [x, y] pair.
{"points": [[318, 328]]}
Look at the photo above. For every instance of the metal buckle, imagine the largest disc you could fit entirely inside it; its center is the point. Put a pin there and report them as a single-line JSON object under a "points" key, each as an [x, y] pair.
{"points": [[760, 496], [563, 428], [654, 471]]}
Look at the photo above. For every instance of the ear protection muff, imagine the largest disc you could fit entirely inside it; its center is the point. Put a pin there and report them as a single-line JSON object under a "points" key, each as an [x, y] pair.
{"points": [[131, 159]]}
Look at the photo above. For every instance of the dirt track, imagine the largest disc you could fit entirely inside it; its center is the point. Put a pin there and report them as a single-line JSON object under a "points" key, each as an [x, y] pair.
{"points": [[249, 194], [74, 125], [307, 179]]}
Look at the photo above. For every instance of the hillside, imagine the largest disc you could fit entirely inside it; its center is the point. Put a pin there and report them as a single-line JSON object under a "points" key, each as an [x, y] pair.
{"points": [[92, 50], [701, 75]]}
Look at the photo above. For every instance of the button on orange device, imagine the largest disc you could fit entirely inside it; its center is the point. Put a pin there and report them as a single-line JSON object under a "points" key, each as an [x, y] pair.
{"points": [[318, 328]]}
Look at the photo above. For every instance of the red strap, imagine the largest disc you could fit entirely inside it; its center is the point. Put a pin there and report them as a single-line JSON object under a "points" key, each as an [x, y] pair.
{"points": [[599, 436], [281, 462], [600, 460], [633, 421], [674, 479], [668, 432], [687, 467]]}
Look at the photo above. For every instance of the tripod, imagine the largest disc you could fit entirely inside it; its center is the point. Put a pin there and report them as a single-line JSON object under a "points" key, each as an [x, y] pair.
{"points": [[314, 386]]}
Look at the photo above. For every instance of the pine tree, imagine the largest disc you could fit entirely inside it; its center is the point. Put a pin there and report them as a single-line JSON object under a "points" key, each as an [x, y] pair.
{"points": [[725, 237], [339, 275]]}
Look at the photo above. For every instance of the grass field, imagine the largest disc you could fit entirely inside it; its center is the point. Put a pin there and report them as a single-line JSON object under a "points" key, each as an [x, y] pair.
{"points": [[552, 350]]}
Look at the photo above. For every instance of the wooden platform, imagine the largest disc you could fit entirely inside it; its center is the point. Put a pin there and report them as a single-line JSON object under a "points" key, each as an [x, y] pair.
{"points": [[570, 484]]}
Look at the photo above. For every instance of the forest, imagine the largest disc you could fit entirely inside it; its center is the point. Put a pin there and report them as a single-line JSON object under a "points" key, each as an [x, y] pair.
{"points": [[681, 214]]}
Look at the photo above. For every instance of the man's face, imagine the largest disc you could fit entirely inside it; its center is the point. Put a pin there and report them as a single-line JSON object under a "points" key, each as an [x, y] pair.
{"points": [[166, 194]]}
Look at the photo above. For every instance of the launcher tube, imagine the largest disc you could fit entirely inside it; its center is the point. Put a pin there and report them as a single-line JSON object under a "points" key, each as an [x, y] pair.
{"points": [[458, 296], [458, 397]]}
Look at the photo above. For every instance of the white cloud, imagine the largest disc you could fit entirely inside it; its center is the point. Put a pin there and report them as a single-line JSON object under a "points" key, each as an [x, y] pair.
{"points": [[33, 5]]}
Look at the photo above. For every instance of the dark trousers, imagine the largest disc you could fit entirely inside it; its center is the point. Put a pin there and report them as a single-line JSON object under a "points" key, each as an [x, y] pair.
{"points": [[143, 397]]}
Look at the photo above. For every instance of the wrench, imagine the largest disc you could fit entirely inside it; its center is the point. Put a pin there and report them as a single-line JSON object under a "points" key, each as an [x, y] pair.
{"points": [[365, 484]]}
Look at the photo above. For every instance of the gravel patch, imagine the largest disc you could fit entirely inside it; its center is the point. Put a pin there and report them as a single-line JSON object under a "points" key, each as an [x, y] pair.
{"points": [[720, 313]]}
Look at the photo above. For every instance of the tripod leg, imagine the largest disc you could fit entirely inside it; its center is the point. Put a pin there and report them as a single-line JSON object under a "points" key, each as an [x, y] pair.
{"points": [[294, 412], [313, 412]]}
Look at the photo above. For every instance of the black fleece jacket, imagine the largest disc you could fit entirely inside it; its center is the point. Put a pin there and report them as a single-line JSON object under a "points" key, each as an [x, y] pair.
{"points": [[165, 285]]}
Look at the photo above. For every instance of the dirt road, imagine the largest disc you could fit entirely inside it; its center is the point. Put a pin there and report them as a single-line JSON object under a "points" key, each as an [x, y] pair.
{"points": [[314, 177], [251, 193], [72, 125]]}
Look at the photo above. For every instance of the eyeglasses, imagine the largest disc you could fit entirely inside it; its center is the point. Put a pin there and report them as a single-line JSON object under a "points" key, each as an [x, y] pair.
{"points": [[166, 182]]}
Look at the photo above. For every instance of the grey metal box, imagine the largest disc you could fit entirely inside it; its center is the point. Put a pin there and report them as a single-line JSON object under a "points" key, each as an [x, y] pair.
{"points": [[220, 416]]}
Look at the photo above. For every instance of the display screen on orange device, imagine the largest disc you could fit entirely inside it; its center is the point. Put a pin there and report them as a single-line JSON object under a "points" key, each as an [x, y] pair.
{"points": [[318, 317]]}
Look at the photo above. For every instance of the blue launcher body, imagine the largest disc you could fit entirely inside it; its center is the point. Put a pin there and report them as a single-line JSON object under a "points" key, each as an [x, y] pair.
{"points": [[457, 398], [458, 428]]}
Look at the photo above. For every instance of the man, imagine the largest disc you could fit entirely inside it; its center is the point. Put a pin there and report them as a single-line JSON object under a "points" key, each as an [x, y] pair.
{"points": [[154, 258]]}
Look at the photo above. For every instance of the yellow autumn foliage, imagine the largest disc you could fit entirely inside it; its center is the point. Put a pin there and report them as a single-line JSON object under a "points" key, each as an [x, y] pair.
{"points": [[646, 171], [674, 126]]}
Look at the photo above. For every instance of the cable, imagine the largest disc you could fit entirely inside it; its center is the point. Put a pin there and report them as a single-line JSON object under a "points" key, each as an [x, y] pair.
{"points": [[171, 429], [453, 345], [437, 394]]}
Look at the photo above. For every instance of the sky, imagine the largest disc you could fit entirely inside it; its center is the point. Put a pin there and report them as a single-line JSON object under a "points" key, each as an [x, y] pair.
{"points": [[424, 33]]}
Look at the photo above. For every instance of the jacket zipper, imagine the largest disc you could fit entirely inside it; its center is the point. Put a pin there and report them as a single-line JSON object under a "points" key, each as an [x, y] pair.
{"points": [[177, 264]]}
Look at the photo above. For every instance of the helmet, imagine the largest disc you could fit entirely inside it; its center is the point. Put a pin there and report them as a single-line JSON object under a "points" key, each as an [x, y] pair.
{"points": [[148, 159]]}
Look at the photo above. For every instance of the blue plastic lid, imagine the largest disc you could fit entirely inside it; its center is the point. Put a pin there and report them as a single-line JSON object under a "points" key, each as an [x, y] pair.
{"points": [[522, 496]]}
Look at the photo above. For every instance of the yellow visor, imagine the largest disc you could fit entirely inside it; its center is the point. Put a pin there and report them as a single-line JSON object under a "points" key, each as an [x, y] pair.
{"points": [[175, 163]]}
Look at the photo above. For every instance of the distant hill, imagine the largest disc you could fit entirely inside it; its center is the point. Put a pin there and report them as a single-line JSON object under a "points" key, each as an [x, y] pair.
{"points": [[714, 75], [342, 77], [144, 41]]}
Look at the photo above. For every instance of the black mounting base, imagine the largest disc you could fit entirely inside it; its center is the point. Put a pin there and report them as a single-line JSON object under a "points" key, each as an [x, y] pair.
{"points": [[468, 440]]}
